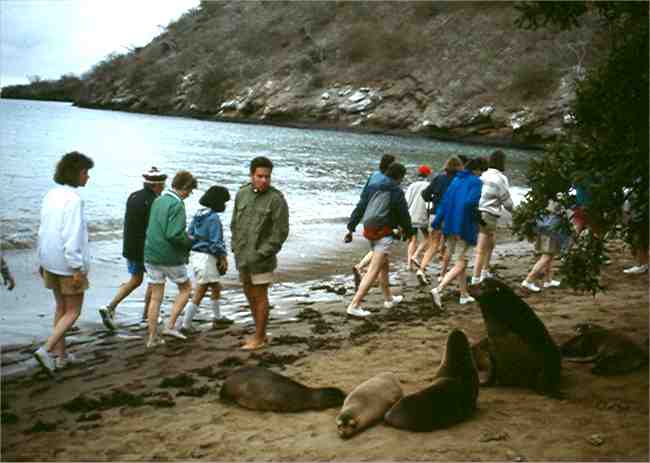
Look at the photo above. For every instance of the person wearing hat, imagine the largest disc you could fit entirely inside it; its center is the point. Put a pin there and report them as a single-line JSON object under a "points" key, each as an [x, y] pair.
{"points": [[208, 257], [419, 212], [136, 219]]}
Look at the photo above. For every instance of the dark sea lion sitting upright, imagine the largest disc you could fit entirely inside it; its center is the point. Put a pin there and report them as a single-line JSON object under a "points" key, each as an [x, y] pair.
{"points": [[520, 350], [613, 353], [257, 388], [450, 399]]}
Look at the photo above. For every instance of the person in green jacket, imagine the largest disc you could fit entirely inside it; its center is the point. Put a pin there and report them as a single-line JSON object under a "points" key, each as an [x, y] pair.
{"points": [[166, 250], [259, 227]]}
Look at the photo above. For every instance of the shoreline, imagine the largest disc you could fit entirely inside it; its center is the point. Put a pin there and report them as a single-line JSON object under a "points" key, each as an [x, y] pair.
{"points": [[472, 140], [123, 395]]}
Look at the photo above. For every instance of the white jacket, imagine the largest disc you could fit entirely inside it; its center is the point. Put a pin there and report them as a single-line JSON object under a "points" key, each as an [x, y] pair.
{"points": [[495, 192], [63, 234], [417, 206]]}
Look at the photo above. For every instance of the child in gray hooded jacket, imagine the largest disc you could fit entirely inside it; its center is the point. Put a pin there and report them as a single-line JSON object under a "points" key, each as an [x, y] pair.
{"points": [[208, 257]]}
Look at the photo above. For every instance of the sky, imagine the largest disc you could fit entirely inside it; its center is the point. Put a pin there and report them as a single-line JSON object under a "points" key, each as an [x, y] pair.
{"points": [[49, 38]]}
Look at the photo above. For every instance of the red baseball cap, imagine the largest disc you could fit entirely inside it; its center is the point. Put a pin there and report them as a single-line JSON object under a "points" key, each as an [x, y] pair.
{"points": [[424, 170]]}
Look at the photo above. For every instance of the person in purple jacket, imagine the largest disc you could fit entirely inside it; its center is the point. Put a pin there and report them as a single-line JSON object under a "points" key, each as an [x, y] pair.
{"points": [[208, 257], [458, 214]]}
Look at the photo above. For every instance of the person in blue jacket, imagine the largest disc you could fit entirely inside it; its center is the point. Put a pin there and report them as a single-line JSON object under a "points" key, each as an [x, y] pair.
{"points": [[458, 214], [208, 257], [387, 201]]}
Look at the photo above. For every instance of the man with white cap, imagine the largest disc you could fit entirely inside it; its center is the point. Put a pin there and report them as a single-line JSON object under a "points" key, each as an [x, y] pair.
{"points": [[136, 219]]}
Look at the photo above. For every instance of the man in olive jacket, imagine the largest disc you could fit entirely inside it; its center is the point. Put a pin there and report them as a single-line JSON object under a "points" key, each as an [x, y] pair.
{"points": [[259, 227], [166, 250]]}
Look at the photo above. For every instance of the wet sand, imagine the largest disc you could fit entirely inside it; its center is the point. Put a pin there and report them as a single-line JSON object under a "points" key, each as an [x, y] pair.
{"points": [[128, 403]]}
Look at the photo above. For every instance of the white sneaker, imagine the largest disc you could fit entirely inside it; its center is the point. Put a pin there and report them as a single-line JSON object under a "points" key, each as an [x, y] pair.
{"points": [[422, 278], [466, 300], [476, 280], [107, 317], [45, 360], [436, 297], [636, 270], [155, 341], [552, 284], [357, 312], [173, 333], [485, 275], [65, 361], [392, 303], [530, 286]]}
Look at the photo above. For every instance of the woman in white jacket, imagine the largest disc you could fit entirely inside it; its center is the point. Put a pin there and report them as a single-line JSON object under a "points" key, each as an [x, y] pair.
{"points": [[63, 253], [495, 195], [419, 213]]}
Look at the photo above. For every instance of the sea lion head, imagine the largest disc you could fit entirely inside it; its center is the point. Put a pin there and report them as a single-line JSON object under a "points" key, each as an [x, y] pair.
{"points": [[489, 289], [346, 425]]}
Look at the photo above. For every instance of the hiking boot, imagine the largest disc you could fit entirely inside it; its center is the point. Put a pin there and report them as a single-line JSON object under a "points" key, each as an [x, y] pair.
{"points": [[107, 315]]}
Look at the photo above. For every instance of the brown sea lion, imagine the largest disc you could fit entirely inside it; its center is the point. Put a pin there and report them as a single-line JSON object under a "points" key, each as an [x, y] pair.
{"points": [[520, 350], [450, 399], [257, 388], [613, 353], [368, 403]]}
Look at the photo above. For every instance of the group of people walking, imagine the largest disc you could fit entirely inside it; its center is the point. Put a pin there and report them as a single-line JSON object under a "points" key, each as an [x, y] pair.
{"points": [[158, 242], [453, 212]]}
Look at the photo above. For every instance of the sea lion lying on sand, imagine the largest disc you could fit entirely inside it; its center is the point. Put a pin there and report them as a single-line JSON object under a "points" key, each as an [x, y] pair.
{"points": [[260, 389], [520, 350], [451, 398], [613, 353], [368, 403]]}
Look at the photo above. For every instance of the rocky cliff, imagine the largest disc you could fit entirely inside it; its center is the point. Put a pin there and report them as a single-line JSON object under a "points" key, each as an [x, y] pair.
{"points": [[460, 70]]}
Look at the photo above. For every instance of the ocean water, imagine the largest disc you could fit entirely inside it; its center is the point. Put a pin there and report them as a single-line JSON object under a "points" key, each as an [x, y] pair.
{"points": [[320, 172]]}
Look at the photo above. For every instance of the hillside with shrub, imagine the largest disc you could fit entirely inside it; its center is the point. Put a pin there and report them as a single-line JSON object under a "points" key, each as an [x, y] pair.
{"points": [[460, 70]]}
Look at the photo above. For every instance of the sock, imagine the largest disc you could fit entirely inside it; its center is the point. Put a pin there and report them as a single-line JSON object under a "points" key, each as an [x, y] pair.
{"points": [[216, 308], [190, 310]]}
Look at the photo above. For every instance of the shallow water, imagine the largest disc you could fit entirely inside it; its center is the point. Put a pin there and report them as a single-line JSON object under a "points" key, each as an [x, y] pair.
{"points": [[320, 172]]}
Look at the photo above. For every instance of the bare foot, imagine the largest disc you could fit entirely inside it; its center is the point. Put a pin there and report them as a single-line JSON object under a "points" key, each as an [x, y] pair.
{"points": [[254, 344]]}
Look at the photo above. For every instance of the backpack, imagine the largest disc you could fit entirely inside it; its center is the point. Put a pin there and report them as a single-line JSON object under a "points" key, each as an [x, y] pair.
{"points": [[376, 223]]}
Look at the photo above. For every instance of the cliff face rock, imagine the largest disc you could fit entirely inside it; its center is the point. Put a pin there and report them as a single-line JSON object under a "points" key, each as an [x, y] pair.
{"points": [[459, 70]]}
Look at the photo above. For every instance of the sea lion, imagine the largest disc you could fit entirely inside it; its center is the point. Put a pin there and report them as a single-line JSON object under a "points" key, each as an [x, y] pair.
{"points": [[367, 404], [520, 350], [257, 388], [450, 399], [613, 353]]}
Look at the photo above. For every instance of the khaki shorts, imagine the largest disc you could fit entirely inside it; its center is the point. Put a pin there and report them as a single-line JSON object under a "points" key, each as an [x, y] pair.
{"points": [[64, 283], [204, 267], [256, 279], [457, 248], [545, 244], [490, 223]]}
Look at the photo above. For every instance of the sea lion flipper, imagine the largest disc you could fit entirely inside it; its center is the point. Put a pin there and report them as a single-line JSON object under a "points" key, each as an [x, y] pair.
{"points": [[491, 376]]}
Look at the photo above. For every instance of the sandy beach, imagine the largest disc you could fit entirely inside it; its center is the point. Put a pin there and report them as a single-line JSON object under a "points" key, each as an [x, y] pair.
{"points": [[127, 403]]}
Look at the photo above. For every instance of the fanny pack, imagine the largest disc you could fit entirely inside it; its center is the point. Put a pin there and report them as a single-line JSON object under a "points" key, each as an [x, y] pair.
{"points": [[376, 233]]}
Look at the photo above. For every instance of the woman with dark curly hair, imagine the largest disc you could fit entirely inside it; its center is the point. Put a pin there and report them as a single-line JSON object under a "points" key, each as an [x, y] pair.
{"points": [[63, 253]]}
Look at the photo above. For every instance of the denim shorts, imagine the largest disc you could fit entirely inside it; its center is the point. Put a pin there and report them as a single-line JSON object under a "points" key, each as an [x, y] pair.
{"points": [[135, 267], [157, 274], [384, 244]]}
